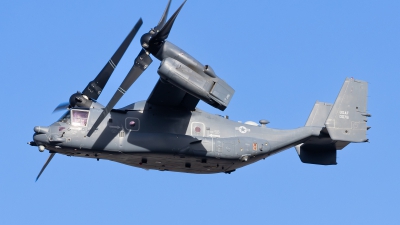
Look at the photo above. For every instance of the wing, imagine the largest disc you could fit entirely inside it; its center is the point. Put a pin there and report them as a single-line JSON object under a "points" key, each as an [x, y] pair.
{"points": [[167, 95]]}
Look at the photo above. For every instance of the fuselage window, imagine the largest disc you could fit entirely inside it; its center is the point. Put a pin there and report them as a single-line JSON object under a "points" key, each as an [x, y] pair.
{"points": [[79, 117]]}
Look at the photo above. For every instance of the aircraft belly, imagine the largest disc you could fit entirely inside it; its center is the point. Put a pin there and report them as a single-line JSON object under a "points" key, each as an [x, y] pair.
{"points": [[175, 163], [191, 164], [164, 162]]}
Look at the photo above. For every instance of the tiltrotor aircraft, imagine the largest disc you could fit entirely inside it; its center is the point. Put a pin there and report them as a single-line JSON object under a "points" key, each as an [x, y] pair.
{"points": [[168, 133]]}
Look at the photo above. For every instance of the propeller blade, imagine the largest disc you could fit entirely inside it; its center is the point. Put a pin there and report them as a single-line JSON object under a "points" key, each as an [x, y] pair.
{"points": [[94, 88], [142, 61], [163, 18], [45, 165], [164, 32], [61, 106]]}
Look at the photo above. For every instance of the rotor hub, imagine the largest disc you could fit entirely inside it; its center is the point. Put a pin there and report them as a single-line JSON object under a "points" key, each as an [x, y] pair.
{"points": [[145, 40], [79, 100]]}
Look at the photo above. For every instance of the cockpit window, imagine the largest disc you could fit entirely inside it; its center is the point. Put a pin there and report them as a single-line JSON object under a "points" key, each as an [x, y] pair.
{"points": [[65, 118], [79, 117]]}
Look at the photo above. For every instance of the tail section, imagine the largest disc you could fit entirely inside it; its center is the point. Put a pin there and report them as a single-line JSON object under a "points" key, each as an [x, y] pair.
{"points": [[343, 122], [319, 114], [347, 120]]}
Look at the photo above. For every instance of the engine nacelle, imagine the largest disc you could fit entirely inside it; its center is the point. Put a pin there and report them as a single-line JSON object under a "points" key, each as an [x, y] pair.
{"points": [[212, 90], [169, 50]]}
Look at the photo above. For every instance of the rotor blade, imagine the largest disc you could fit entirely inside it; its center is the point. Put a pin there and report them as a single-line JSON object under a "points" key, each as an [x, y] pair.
{"points": [[94, 88], [61, 106], [45, 165], [164, 32], [142, 61], [163, 18]]}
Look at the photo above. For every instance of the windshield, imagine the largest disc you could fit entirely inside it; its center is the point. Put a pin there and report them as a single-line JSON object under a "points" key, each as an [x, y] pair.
{"points": [[65, 118], [79, 117]]}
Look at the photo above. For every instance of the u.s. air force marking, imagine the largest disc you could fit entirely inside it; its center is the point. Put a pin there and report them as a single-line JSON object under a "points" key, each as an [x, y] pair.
{"points": [[242, 129]]}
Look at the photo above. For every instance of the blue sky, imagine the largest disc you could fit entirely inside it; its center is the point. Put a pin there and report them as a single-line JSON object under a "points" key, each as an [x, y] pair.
{"points": [[279, 56]]}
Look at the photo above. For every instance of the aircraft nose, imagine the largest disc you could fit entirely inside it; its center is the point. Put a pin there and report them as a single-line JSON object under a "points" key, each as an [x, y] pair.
{"points": [[40, 138], [41, 130]]}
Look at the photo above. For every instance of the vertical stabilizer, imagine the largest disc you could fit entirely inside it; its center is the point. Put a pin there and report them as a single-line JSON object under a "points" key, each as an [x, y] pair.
{"points": [[347, 120], [319, 114]]}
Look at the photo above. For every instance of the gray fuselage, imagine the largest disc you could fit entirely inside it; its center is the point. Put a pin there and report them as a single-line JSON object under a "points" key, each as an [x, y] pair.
{"points": [[153, 137]]}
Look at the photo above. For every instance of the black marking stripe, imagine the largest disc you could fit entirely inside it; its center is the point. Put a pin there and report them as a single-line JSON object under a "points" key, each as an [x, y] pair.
{"points": [[112, 63], [121, 90]]}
